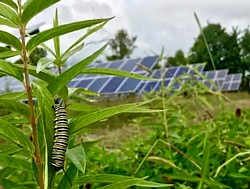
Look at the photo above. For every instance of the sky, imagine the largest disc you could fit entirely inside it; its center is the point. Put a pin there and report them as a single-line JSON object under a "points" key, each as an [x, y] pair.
{"points": [[156, 23]]}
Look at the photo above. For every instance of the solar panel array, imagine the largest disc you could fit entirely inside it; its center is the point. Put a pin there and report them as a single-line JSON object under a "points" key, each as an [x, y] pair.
{"points": [[175, 77]]}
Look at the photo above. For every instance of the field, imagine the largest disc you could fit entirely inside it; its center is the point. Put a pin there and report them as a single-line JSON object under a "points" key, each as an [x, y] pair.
{"points": [[204, 147]]}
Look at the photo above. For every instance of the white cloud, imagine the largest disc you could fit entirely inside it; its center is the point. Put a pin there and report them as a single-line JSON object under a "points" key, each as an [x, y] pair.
{"points": [[158, 23]]}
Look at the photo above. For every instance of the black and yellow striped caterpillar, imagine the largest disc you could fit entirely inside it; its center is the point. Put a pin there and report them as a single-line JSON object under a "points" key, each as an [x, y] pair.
{"points": [[60, 138]]}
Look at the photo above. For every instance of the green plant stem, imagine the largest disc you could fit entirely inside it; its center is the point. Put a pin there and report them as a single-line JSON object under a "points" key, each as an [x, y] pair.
{"points": [[205, 40], [24, 56]]}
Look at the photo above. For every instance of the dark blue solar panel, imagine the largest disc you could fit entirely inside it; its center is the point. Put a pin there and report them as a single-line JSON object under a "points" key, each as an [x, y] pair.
{"points": [[166, 83], [210, 74], [237, 77], [140, 87], [73, 83], [170, 72], [101, 65], [198, 67], [157, 74], [149, 86], [181, 70], [147, 62], [115, 65], [225, 87], [83, 83], [234, 86], [112, 85], [129, 85], [221, 74], [129, 65], [97, 84]]}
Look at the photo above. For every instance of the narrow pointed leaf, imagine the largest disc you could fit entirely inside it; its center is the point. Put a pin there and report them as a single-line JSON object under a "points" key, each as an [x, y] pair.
{"points": [[89, 32], [71, 52], [62, 80], [77, 91], [79, 122], [43, 63], [34, 7], [14, 106], [10, 40], [60, 30], [122, 73], [17, 163], [78, 157], [14, 96], [15, 136], [8, 54], [8, 13], [9, 3], [6, 22], [11, 70], [56, 39]]}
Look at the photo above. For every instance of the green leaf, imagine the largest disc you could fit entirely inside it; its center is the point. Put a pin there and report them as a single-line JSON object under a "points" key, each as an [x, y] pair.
{"points": [[45, 102], [14, 96], [10, 40], [122, 73], [17, 163], [6, 22], [15, 136], [34, 7], [63, 79], [112, 178], [43, 63], [78, 157], [79, 122], [6, 183], [71, 172], [8, 13], [56, 39], [60, 30], [82, 107], [10, 3], [8, 149], [122, 184], [72, 52], [46, 122], [77, 91], [8, 54], [15, 107], [11, 70], [89, 32]]}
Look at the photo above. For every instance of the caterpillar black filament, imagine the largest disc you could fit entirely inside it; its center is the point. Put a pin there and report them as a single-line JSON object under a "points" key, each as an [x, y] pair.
{"points": [[60, 138]]}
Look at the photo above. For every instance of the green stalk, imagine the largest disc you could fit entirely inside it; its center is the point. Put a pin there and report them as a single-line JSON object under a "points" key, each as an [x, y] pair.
{"points": [[37, 157]]}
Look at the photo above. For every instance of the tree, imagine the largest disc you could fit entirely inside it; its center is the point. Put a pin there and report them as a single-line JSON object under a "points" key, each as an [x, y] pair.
{"points": [[34, 56], [177, 60], [245, 49], [122, 45], [223, 47]]}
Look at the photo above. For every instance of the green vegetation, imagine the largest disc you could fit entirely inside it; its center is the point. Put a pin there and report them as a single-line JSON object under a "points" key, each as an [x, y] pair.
{"points": [[191, 138]]}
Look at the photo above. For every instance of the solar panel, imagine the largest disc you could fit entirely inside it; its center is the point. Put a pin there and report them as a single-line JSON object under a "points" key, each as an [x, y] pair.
{"points": [[232, 82], [148, 62], [98, 83], [115, 65], [112, 86], [129, 65], [215, 78], [82, 83]]}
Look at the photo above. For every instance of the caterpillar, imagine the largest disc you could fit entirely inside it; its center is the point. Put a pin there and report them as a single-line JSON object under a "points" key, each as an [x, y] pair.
{"points": [[60, 139]]}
